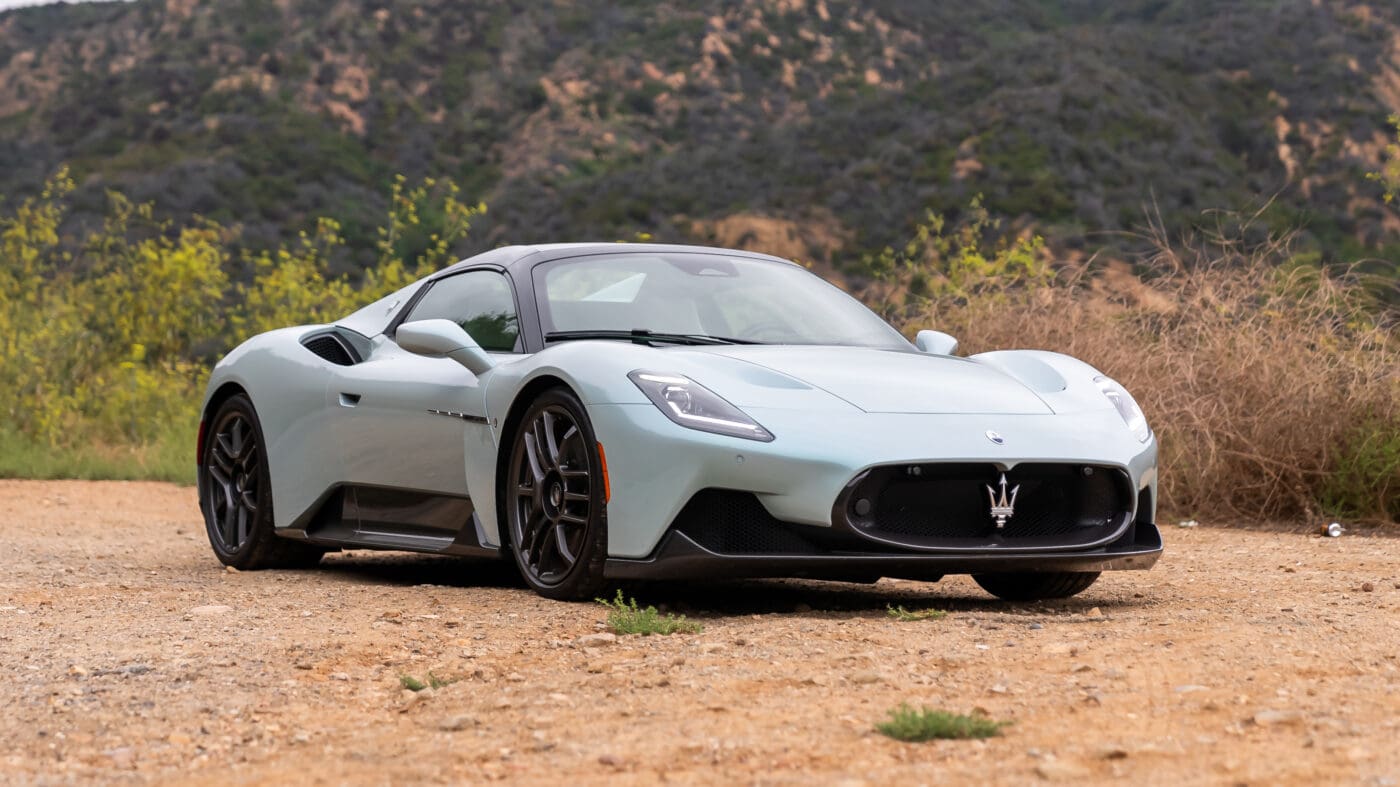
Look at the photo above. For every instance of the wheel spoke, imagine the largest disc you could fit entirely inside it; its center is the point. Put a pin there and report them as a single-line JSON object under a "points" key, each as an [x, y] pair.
{"points": [[574, 519], [228, 528], [569, 435], [542, 443], [561, 546], [543, 535], [220, 475], [574, 473], [532, 456], [576, 497], [551, 444], [242, 527]]}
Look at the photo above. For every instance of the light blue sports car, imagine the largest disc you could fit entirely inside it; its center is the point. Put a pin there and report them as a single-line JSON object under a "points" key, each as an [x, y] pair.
{"points": [[601, 412]]}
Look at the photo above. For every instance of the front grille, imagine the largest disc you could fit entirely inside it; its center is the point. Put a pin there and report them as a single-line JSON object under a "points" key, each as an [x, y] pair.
{"points": [[948, 505], [735, 523]]}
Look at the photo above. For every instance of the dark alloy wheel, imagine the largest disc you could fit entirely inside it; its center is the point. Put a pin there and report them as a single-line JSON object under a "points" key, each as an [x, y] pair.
{"points": [[1036, 586], [556, 500], [237, 497]]}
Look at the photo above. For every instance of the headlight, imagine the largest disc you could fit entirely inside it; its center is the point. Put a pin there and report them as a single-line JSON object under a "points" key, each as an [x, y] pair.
{"points": [[694, 406], [1126, 407]]}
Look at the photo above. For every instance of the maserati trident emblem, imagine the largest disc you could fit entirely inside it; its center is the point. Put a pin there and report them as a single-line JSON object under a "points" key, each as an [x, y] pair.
{"points": [[995, 437], [1003, 508]]}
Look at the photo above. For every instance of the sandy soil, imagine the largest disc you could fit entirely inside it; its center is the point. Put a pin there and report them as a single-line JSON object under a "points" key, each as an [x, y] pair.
{"points": [[130, 655]]}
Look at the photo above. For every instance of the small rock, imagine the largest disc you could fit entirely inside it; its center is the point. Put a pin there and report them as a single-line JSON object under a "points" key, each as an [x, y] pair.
{"points": [[610, 760], [1270, 718], [1367, 587], [178, 739], [712, 647], [1190, 688], [1036, 627], [137, 669], [457, 723], [998, 689], [212, 609], [1094, 613], [1113, 753], [340, 676], [515, 677], [559, 698], [230, 570], [1081, 668], [77, 671], [866, 678], [599, 667], [596, 640]]}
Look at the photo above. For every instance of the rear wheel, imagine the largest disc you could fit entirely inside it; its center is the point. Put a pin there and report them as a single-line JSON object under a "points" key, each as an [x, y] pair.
{"points": [[556, 500], [1036, 586], [237, 495]]}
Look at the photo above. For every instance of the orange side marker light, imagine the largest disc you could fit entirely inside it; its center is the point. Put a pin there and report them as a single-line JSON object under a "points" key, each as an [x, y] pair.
{"points": [[607, 484]]}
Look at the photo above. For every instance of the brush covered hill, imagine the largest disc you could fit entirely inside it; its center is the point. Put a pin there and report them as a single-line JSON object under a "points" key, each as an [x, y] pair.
{"points": [[814, 128]]}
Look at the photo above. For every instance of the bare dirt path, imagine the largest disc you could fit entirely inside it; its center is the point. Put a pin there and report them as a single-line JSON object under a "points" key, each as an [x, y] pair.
{"points": [[128, 654]]}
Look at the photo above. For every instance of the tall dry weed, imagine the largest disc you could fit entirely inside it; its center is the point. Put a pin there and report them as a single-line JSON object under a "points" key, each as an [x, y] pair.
{"points": [[1274, 388]]}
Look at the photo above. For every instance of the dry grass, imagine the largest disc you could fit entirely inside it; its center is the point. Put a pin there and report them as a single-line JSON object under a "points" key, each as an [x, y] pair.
{"points": [[1274, 388]]}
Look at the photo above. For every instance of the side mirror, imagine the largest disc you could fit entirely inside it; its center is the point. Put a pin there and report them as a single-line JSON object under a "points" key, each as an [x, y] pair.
{"points": [[935, 343], [443, 339]]}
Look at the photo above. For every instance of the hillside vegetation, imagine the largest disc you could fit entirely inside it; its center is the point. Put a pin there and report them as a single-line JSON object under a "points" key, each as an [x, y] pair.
{"points": [[829, 127]]}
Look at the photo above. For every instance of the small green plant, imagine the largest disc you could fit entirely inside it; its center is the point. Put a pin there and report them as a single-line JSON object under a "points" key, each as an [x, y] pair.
{"points": [[926, 724], [434, 682], [625, 617], [901, 614]]}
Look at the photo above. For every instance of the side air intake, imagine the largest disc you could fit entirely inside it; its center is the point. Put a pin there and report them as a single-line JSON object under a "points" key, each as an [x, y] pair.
{"points": [[330, 348]]}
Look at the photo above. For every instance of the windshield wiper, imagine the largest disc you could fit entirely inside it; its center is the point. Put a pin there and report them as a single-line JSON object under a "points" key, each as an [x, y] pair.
{"points": [[643, 336]]}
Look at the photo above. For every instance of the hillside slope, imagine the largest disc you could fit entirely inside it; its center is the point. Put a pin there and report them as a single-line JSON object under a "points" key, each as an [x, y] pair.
{"points": [[812, 127]]}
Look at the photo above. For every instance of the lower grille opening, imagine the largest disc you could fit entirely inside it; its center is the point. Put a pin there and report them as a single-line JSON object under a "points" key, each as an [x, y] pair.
{"points": [[736, 523], [950, 505]]}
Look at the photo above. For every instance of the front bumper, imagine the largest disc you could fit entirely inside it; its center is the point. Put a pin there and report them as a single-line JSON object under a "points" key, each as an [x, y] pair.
{"points": [[657, 467], [680, 557]]}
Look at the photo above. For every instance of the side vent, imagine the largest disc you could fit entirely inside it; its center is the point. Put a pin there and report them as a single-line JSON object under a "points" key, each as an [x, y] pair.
{"points": [[330, 348]]}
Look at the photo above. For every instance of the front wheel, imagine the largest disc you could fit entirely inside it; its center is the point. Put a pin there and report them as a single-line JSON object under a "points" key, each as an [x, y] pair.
{"points": [[556, 500], [237, 495], [1036, 587]]}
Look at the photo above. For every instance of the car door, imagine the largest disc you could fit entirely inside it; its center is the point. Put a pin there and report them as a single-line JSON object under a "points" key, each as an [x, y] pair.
{"points": [[405, 421]]}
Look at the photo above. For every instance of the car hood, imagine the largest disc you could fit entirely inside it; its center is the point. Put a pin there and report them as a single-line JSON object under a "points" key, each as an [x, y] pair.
{"points": [[884, 381]]}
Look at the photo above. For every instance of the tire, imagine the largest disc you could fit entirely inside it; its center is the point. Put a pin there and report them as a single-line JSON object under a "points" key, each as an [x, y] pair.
{"points": [[236, 495], [555, 500], [1036, 587]]}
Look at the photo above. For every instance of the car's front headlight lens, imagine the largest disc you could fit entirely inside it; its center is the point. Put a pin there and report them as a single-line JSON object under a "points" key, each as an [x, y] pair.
{"points": [[694, 406], [1126, 406]]}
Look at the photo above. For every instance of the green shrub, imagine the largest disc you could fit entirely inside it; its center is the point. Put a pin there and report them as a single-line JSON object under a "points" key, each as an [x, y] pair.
{"points": [[624, 617], [915, 726]]}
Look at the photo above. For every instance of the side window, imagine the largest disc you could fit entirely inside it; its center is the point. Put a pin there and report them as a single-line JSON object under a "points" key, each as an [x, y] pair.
{"points": [[481, 302]]}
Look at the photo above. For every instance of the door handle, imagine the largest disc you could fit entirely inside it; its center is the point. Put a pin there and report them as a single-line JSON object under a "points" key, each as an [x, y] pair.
{"points": [[349, 399]]}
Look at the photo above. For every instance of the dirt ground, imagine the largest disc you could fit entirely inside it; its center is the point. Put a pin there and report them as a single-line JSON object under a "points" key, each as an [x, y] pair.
{"points": [[130, 655]]}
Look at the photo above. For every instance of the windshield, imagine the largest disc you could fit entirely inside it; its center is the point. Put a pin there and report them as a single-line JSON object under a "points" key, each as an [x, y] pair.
{"points": [[707, 295]]}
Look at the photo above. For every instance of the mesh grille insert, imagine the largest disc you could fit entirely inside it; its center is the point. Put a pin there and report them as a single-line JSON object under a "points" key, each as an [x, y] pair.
{"points": [[949, 505], [329, 348], [735, 523]]}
